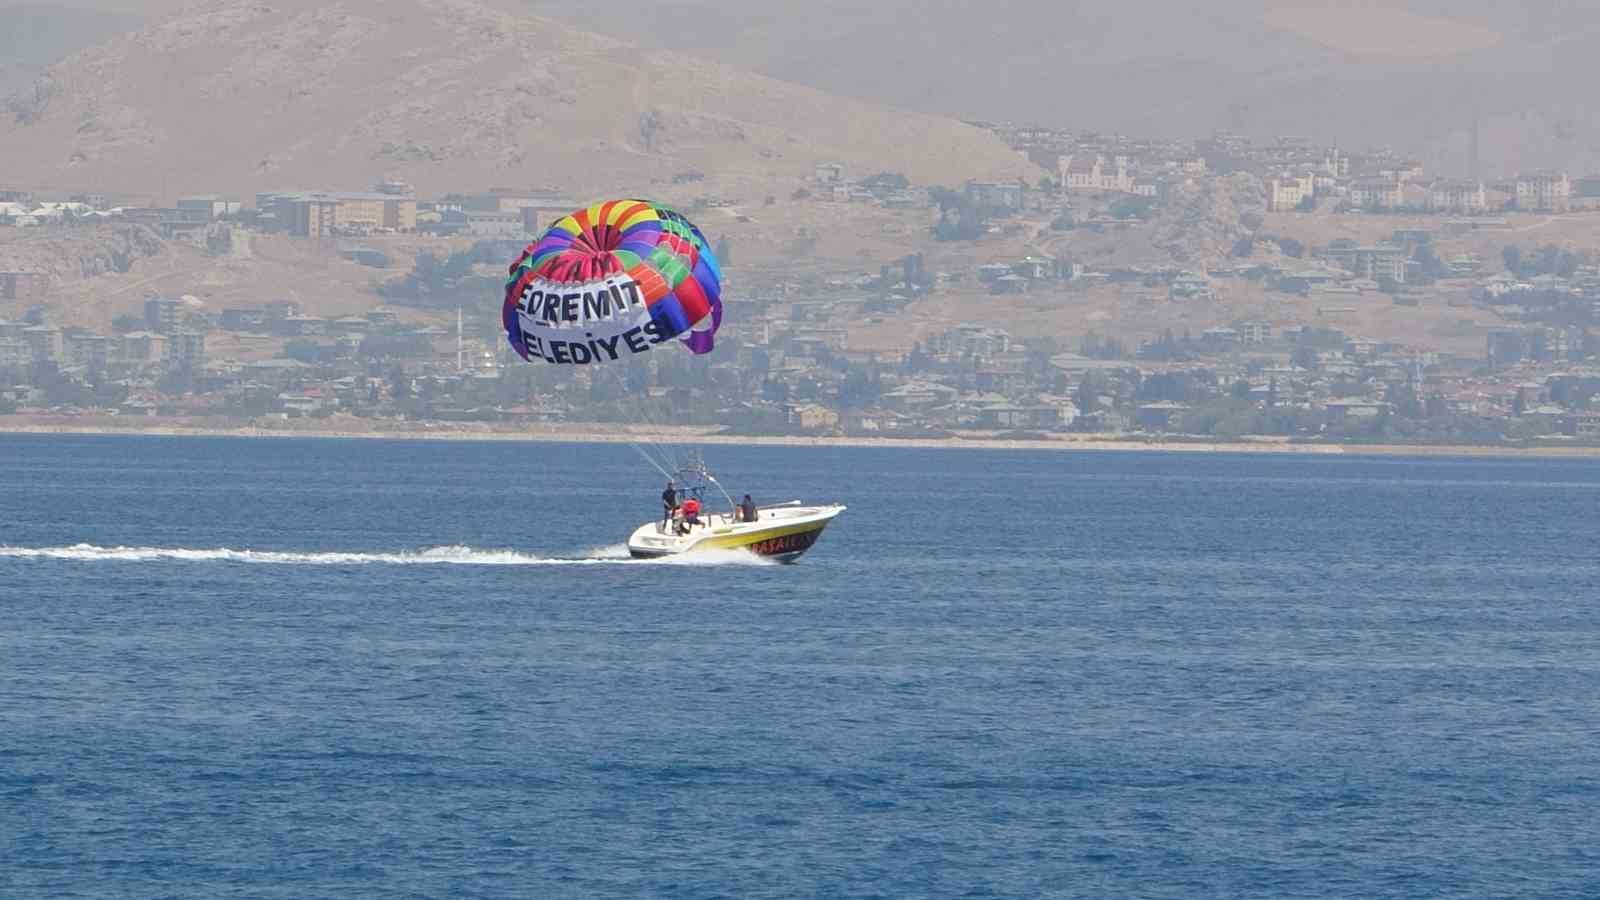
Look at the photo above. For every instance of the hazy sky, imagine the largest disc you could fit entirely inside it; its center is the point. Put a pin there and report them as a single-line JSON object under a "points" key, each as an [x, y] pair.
{"points": [[1405, 72]]}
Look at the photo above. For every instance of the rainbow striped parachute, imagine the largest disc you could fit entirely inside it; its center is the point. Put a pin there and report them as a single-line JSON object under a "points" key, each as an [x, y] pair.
{"points": [[610, 282]]}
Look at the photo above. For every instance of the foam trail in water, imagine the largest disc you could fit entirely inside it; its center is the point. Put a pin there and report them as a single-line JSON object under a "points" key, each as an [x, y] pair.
{"points": [[457, 555]]}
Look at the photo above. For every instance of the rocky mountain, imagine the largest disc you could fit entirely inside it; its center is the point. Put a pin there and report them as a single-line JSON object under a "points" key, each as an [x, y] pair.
{"points": [[77, 254], [1204, 222], [1198, 228], [1410, 73], [245, 95]]}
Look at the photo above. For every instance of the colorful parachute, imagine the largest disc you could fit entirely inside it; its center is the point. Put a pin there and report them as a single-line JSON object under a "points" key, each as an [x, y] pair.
{"points": [[610, 282]]}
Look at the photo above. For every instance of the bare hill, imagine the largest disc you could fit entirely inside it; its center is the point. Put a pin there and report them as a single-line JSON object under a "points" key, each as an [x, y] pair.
{"points": [[1197, 229], [1403, 72], [96, 273], [243, 96], [73, 255]]}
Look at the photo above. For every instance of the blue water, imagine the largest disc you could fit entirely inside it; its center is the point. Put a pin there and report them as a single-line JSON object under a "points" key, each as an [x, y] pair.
{"points": [[421, 670]]}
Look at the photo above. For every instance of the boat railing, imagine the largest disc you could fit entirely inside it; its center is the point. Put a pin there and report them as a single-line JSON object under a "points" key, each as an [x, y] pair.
{"points": [[709, 521]]}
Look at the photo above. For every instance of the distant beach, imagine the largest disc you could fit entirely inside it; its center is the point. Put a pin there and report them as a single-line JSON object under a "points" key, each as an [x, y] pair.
{"points": [[594, 432]]}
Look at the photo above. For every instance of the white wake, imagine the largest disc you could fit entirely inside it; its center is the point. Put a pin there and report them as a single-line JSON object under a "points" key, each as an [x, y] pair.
{"points": [[456, 555]]}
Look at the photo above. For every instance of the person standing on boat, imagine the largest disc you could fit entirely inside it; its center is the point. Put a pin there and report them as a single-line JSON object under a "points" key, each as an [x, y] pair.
{"points": [[669, 503], [690, 517], [747, 510]]}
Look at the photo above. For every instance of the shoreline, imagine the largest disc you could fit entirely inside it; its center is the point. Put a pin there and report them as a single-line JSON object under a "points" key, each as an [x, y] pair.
{"points": [[589, 433]]}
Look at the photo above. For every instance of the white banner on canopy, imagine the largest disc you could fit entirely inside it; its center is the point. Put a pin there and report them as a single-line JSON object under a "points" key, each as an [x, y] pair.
{"points": [[595, 321]]}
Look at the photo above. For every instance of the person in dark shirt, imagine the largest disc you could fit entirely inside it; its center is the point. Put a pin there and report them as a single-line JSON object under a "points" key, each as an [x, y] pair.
{"points": [[669, 504], [747, 510]]}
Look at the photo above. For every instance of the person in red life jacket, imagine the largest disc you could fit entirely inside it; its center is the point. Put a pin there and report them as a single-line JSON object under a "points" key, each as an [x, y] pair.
{"points": [[691, 515]]}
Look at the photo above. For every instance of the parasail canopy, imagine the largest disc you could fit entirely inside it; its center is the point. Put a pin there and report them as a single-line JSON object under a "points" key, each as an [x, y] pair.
{"points": [[612, 281]]}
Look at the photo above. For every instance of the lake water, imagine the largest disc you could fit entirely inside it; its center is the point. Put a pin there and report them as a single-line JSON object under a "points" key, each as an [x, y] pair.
{"points": [[324, 668]]}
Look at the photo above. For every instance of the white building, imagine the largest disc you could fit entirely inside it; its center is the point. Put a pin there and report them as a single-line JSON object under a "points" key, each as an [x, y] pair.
{"points": [[1093, 172], [1544, 192], [1464, 197], [144, 347], [1287, 191], [1377, 193], [1255, 332], [976, 340]]}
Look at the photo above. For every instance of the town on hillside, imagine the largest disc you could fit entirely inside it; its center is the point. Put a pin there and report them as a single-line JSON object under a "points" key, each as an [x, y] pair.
{"points": [[1215, 289]]}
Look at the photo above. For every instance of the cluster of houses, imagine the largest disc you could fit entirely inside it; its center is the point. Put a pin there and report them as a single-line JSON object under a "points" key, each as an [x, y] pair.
{"points": [[830, 182], [980, 378], [1295, 173], [160, 364], [1341, 268], [785, 366], [391, 207], [1405, 188]]}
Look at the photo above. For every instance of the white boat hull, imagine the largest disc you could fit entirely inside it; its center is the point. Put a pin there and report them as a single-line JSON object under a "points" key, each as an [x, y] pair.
{"points": [[782, 533]]}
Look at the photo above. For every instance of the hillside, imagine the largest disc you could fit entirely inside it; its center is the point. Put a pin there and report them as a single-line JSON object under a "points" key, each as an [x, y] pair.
{"points": [[246, 96], [97, 273], [1361, 72], [70, 256], [1197, 229]]}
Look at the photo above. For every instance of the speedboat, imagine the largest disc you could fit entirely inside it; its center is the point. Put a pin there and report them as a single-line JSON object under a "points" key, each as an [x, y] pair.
{"points": [[782, 532]]}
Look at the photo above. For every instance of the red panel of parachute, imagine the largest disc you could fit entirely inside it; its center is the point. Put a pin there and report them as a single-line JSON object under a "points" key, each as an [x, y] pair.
{"points": [[696, 305]]}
